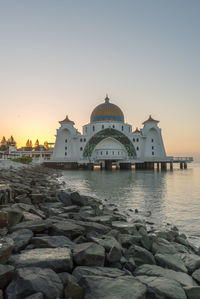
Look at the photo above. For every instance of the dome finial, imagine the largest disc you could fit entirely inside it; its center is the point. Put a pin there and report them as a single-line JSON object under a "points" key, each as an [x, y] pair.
{"points": [[107, 99]]}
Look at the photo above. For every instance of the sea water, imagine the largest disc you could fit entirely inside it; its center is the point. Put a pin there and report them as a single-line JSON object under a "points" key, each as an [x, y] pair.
{"points": [[166, 197]]}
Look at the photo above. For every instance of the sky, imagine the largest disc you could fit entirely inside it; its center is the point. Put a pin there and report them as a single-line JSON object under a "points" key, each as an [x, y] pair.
{"points": [[61, 57]]}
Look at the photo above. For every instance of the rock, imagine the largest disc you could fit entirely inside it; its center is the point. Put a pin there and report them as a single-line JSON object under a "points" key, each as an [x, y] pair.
{"points": [[6, 272], [140, 255], [171, 262], [107, 242], [81, 271], [52, 242], [57, 259], [114, 255], [100, 219], [6, 247], [168, 235], [112, 288], [94, 227], [183, 241], [146, 242], [23, 199], [163, 246], [130, 265], [154, 270], [21, 239], [89, 254], [14, 216], [3, 219], [129, 240], [192, 292], [67, 228], [71, 209], [196, 275], [161, 286], [191, 261], [125, 227], [71, 287], [28, 281], [64, 197], [35, 226], [30, 217], [36, 296]]}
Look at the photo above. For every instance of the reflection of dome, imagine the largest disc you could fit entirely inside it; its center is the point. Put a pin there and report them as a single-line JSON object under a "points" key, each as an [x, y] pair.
{"points": [[107, 111]]}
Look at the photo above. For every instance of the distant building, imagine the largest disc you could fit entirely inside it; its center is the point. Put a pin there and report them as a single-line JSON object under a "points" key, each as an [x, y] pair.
{"points": [[107, 139]]}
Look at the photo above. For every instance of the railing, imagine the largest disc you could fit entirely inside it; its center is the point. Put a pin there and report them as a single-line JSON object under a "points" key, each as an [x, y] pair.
{"points": [[183, 159]]}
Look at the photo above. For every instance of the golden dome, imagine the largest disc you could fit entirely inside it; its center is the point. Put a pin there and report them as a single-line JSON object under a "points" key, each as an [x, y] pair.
{"points": [[107, 112]]}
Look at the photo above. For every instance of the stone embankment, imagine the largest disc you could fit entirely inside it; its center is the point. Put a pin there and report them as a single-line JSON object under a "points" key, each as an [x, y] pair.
{"points": [[59, 244]]}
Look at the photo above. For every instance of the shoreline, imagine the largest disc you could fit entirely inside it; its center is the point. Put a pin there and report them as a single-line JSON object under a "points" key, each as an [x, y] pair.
{"points": [[85, 248]]}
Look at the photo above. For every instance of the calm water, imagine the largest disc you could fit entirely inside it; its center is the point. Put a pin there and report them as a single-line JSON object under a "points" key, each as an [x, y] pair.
{"points": [[172, 197]]}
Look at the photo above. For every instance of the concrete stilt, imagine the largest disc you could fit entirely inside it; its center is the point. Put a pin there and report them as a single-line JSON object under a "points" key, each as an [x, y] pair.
{"points": [[108, 165], [181, 165], [185, 165], [163, 166], [90, 166], [125, 165], [158, 166], [171, 165]]}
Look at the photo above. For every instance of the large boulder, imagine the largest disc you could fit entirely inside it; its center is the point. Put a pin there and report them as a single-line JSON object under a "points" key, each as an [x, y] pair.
{"points": [[28, 281], [6, 247], [154, 270], [91, 227], [21, 239], [64, 197], [163, 246], [30, 217], [71, 287], [107, 242], [191, 261], [112, 288], [171, 262], [6, 272], [162, 287], [89, 254], [196, 275], [67, 228], [52, 242], [35, 226], [125, 227], [140, 255], [14, 216], [57, 259], [82, 271], [192, 292]]}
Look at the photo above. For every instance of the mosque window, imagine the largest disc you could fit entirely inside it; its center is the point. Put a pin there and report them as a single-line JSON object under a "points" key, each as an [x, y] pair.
{"points": [[66, 140], [118, 153], [65, 147], [152, 147], [65, 153], [85, 129], [129, 129], [152, 153], [84, 140], [133, 139], [122, 128], [113, 152], [93, 128], [106, 152], [81, 140], [137, 148], [152, 140], [113, 126], [101, 153], [81, 148], [137, 139], [102, 126]]}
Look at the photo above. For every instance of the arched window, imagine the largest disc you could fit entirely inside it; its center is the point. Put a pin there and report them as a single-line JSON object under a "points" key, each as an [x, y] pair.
{"points": [[133, 139], [66, 140], [152, 140], [81, 148], [84, 140], [113, 126], [122, 128], [81, 140], [137, 139], [113, 152], [152, 153], [152, 147], [102, 127], [65, 153], [93, 128], [106, 152], [65, 147], [137, 148]]}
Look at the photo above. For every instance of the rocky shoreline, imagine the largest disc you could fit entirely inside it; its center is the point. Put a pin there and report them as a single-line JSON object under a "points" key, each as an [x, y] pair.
{"points": [[60, 244]]}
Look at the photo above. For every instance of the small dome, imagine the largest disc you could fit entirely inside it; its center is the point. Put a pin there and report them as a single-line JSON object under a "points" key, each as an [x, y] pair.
{"points": [[107, 112]]}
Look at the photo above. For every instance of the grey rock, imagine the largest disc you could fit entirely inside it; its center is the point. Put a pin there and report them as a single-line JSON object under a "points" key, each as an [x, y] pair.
{"points": [[146, 242], [21, 239], [107, 242], [71, 287], [101, 219], [6, 247], [125, 227], [35, 226], [154, 270], [36, 296], [112, 288], [30, 217], [81, 271], [171, 262], [71, 209], [94, 227], [192, 292], [128, 240], [191, 261], [196, 275], [14, 216], [23, 199], [89, 254], [64, 197], [28, 281], [6, 272], [114, 255], [57, 259], [163, 246], [168, 235], [140, 255], [67, 228], [52, 242], [162, 286], [130, 265]]}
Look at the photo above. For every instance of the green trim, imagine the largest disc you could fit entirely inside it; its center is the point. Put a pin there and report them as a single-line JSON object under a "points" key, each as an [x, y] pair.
{"points": [[98, 137]]}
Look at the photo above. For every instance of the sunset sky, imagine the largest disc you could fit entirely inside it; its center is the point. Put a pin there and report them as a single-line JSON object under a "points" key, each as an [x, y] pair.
{"points": [[62, 57]]}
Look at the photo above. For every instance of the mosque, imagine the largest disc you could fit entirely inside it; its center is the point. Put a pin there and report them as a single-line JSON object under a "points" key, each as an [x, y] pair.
{"points": [[108, 140]]}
